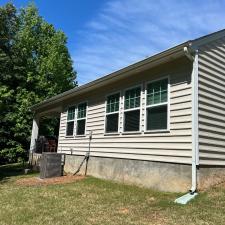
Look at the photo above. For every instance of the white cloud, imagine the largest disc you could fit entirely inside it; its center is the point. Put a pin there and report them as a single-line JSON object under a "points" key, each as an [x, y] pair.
{"points": [[125, 31]]}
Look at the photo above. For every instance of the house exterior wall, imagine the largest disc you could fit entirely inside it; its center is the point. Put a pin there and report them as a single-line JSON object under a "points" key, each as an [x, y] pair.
{"points": [[211, 103], [174, 146]]}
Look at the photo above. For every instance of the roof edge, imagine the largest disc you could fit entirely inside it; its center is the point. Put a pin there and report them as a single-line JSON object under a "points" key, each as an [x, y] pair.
{"points": [[104, 79], [208, 38]]}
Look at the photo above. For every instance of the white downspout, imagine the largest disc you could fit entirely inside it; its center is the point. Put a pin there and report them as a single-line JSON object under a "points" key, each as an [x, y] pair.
{"points": [[195, 150], [195, 146]]}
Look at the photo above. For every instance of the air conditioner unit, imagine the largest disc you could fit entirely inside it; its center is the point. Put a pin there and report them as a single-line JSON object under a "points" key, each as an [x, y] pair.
{"points": [[51, 164]]}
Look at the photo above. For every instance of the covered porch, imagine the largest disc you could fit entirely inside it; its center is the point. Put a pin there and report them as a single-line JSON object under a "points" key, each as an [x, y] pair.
{"points": [[43, 141]]}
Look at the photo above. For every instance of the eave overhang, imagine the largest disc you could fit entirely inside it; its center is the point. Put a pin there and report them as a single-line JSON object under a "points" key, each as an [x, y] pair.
{"points": [[155, 60]]}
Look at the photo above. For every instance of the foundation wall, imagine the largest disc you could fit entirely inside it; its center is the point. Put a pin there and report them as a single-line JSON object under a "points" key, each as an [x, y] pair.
{"points": [[157, 175], [210, 176], [160, 176]]}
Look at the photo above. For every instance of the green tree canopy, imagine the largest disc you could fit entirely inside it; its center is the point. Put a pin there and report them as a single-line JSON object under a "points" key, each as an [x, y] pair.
{"points": [[34, 65]]}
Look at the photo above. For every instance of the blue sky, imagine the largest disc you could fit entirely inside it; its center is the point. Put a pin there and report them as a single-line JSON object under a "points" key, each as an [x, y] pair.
{"points": [[106, 35]]}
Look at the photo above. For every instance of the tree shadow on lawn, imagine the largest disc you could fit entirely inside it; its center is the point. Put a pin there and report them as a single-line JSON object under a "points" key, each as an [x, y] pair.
{"points": [[11, 170]]}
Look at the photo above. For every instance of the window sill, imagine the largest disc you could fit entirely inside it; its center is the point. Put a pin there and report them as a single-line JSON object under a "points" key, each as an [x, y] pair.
{"points": [[80, 135], [111, 134], [75, 136], [156, 131], [131, 132]]}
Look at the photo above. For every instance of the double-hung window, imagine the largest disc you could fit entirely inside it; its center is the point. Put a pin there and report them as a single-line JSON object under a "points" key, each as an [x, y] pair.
{"points": [[81, 118], [132, 101], [112, 113], [70, 121], [157, 105]]}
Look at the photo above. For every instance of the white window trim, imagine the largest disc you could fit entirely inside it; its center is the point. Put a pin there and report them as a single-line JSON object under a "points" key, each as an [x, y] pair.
{"points": [[67, 108], [119, 112], [76, 114], [143, 108], [159, 104], [136, 108]]}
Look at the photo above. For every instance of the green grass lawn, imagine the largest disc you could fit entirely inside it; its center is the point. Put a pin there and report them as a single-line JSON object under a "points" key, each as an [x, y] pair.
{"points": [[95, 201]]}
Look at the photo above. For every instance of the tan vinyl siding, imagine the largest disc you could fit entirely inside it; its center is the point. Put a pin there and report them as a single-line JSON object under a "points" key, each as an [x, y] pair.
{"points": [[211, 103], [173, 146]]}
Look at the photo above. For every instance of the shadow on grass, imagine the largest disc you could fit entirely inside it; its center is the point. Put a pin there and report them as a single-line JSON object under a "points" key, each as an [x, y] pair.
{"points": [[11, 170]]}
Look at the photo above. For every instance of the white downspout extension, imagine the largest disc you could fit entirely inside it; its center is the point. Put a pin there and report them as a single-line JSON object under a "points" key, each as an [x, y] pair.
{"points": [[195, 145]]}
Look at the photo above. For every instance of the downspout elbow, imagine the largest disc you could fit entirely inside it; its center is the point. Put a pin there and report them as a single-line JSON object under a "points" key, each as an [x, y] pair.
{"points": [[187, 52]]}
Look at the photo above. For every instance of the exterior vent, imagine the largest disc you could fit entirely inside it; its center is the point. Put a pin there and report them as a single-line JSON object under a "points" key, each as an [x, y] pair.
{"points": [[51, 165]]}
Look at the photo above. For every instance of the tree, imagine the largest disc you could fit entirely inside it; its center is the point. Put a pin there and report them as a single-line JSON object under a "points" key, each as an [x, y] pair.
{"points": [[8, 30], [34, 65]]}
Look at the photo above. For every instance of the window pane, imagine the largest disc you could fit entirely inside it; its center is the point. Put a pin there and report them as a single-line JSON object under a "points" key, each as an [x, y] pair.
{"points": [[157, 92], [117, 106], [150, 99], [132, 120], [132, 105], [157, 118], [69, 128], [164, 84], [164, 96], [108, 108], [81, 127], [137, 102], [127, 104], [112, 123], [132, 98], [113, 103], [156, 97], [81, 110], [71, 113], [156, 86]]}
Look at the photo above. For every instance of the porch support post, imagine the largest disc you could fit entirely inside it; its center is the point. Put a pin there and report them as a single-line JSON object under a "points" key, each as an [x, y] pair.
{"points": [[34, 134]]}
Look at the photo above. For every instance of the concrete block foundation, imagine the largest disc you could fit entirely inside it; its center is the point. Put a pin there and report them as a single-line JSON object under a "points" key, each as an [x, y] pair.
{"points": [[157, 175], [209, 176]]}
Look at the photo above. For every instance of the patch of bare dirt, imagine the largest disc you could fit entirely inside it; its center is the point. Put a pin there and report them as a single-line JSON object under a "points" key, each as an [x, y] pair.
{"points": [[36, 181], [124, 210]]}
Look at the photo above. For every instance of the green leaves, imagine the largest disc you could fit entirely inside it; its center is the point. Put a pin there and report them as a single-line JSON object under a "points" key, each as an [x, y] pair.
{"points": [[34, 65]]}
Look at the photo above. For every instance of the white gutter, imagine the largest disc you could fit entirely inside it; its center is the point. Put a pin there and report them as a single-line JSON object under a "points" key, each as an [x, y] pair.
{"points": [[195, 146]]}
